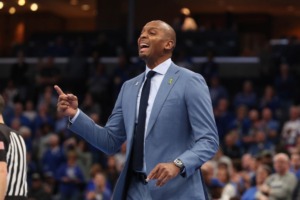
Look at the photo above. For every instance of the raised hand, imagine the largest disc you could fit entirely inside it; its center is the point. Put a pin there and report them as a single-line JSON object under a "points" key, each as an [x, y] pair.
{"points": [[67, 103], [163, 172]]}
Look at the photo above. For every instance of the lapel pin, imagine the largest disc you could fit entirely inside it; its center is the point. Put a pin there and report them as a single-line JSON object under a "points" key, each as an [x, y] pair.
{"points": [[170, 81], [136, 83]]}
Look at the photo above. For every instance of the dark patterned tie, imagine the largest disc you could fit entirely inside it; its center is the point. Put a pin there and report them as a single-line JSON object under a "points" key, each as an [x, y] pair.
{"points": [[138, 142]]}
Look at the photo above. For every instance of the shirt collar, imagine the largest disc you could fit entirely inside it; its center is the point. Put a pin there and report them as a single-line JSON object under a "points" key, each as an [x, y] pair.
{"points": [[162, 68]]}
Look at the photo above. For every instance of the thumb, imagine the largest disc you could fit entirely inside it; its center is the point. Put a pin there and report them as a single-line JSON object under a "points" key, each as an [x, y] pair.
{"points": [[58, 90]]}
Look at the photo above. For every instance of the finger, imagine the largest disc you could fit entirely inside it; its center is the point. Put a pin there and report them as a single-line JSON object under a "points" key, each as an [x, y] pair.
{"points": [[58, 90], [72, 97], [160, 178], [162, 182], [152, 174], [62, 108]]}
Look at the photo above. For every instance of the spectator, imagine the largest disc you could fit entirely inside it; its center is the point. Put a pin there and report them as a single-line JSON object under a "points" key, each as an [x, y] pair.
{"points": [[285, 85], [18, 114], [37, 191], [295, 164], [270, 100], [121, 157], [262, 173], [216, 90], [247, 97], [30, 111], [70, 178], [223, 175], [291, 128], [98, 190], [231, 149], [223, 118], [260, 143], [269, 125], [282, 183], [54, 155]]}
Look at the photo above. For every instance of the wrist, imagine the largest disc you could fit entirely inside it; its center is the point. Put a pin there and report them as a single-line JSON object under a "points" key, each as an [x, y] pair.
{"points": [[179, 164]]}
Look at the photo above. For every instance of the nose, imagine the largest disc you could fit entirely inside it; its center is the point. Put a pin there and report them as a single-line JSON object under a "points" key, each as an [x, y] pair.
{"points": [[143, 35]]}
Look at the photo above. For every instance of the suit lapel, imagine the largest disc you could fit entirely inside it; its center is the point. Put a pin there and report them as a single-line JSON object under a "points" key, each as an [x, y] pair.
{"points": [[166, 85]]}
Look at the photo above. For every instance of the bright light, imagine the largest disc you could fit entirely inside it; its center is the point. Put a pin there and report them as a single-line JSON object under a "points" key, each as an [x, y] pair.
{"points": [[185, 11], [12, 10], [21, 2], [34, 7], [73, 2], [85, 7], [1, 4]]}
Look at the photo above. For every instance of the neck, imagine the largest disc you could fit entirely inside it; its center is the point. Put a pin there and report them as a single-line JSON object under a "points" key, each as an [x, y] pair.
{"points": [[152, 63], [1, 119]]}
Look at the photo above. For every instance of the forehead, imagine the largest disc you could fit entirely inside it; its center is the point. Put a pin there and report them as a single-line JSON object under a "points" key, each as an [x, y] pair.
{"points": [[154, 25]]}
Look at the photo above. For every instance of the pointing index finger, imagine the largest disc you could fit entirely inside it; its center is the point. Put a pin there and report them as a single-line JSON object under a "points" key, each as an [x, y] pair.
{"points": [[58, 90]]}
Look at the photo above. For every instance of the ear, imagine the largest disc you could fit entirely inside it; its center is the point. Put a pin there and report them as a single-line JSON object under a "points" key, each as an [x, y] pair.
{"points": [[169, 45]]}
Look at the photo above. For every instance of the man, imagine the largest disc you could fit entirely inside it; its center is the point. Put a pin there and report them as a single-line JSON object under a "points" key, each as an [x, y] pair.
{"points": [[280, 185], [170, 132], [13, 174]]}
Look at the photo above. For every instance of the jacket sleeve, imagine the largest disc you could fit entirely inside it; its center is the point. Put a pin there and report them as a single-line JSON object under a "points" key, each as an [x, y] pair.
{"points": [[108, 138], [202, 122]]}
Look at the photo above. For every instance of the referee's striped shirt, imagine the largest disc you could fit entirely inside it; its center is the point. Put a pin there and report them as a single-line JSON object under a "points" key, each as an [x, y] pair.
{"points": [[16, 164]]}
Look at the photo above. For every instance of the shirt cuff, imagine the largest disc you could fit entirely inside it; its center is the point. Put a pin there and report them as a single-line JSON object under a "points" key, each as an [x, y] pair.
{"points": [[75, 117]]}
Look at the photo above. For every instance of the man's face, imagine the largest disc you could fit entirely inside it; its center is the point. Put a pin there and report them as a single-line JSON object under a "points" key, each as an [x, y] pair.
{"points": [[281, 165], [152, 41]]}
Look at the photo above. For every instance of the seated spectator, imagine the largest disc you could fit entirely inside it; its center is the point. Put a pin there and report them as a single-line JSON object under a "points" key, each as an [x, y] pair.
{"points": [[231, 149], [18, 114], [43, 117], [262, 172], [260, 143], [223, 118], [223, 175], [120, 157], [30, 110], [54, 155], [295, 164], [214, 186], [285, 85], [270, 100], [291, 128], [216, 90], [70, 178], [38, 191], [246, 97], [241, 122], [255, 125], [282, 183], [98, 190], [248, 165], [269, 125], [26, 134]]}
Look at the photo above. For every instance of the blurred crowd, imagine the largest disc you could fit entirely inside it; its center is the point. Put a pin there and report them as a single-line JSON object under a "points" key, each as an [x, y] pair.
{"points": [[258, 125]]}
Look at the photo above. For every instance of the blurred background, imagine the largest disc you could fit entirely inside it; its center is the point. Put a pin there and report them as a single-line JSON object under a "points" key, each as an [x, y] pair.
{"points": [[248, 51]]}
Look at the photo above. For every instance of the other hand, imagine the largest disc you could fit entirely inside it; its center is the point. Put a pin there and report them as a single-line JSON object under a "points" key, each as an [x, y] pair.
{"points": [[67, 104], [163, 172]]}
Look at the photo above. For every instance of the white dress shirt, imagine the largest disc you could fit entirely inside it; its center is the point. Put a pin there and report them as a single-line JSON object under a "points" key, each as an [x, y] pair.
{"points": [[156, 80]]}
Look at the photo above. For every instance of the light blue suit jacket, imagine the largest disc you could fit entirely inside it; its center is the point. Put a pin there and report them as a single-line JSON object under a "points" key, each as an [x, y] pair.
{"points": [[181, 126]]}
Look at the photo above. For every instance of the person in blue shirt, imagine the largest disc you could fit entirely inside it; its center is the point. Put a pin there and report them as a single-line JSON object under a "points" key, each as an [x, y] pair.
{"points": [[70, 178], [262, 172]]}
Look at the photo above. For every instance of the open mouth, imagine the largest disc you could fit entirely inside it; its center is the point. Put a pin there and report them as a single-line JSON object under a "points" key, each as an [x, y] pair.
{"points": [[144, 46]]}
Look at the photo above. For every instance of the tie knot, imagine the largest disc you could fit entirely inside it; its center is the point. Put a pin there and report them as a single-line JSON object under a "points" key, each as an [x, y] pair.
{"points": [[150, 74]]}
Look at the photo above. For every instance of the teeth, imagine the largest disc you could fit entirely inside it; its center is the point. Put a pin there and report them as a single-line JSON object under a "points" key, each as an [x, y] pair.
{"points": [[144, 45]]}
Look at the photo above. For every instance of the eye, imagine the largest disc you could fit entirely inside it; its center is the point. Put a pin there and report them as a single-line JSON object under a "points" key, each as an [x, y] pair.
{"points": [[152, 32]]}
